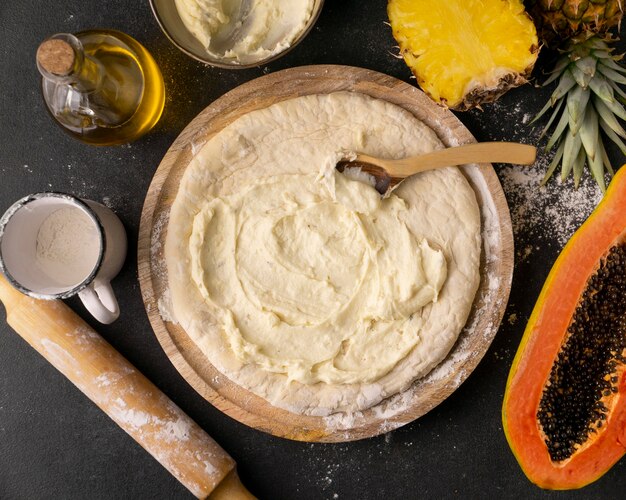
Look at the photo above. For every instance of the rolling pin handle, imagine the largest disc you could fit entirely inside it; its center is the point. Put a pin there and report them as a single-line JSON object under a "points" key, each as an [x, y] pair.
{"points": [[231, 488]]}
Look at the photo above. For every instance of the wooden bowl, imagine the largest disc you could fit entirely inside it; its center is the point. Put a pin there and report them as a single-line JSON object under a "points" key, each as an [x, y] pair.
{"points": [[424, 394]]}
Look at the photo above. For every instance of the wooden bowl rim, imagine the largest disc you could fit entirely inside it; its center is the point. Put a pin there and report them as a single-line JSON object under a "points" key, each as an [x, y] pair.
{"points": [[236, 401]]}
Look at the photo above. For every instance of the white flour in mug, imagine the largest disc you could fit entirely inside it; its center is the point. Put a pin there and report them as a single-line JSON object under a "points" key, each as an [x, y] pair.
{"points": [[68, 246]]}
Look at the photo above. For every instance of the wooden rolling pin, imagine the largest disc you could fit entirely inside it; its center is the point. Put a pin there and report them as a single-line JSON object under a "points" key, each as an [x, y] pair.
{"points": [[124, 394]]}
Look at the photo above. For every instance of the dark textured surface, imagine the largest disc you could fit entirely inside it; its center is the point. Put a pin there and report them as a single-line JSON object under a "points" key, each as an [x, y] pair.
{"points": [[54, 443]]}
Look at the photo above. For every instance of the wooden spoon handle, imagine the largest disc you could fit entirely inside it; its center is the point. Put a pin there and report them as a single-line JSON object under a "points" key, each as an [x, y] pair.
{"points": [[124, 394], [482, 152]]}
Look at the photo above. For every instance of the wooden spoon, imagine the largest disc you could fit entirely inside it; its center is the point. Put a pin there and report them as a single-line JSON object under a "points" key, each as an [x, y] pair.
{"points": [[389, 173]]}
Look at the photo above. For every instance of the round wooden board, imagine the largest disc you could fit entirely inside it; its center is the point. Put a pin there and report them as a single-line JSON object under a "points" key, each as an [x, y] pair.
{"points": [[425, 394]]}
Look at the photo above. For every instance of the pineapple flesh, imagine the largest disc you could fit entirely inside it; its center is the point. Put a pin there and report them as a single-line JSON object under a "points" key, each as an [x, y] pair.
{"points": [[465, 52]]}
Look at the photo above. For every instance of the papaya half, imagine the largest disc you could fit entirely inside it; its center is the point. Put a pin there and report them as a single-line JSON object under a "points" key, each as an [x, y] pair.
{"points": [[564, 410]]}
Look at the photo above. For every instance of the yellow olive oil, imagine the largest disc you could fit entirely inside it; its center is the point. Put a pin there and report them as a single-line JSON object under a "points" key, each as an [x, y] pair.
{"points": [[102, 86]]}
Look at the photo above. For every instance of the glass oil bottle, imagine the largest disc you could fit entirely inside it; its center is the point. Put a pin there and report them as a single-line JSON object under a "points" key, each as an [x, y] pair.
{"points": [[102, 86]]}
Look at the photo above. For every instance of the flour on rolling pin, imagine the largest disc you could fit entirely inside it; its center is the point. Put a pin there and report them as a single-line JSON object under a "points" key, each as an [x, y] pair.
{"points": [[67, 246]]}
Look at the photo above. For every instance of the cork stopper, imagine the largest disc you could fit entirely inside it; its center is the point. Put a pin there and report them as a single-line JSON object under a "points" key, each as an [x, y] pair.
{"points": [[56, 56]]}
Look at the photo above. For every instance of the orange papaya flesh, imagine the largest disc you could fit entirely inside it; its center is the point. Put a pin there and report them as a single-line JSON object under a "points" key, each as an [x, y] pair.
{"points": [[564, 410]]}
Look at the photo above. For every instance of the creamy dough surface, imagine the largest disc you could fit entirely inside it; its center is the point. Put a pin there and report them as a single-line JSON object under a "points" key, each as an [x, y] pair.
{"points": [[245, 30], [321, 285], [306, 287]]}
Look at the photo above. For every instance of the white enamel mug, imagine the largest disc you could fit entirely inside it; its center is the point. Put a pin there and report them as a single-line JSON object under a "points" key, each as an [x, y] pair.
{"points": [[19, 232]]}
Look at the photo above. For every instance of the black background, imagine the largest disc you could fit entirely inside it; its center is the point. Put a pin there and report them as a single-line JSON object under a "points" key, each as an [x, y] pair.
{"points": [[54, 443]]}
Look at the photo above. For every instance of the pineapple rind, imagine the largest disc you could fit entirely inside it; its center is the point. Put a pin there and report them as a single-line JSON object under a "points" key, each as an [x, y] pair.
{"points": [[465, 52], [559, 20]]}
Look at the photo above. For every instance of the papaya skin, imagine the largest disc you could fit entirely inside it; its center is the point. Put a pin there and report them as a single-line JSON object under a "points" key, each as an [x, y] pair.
{"points": [[541, 342]]}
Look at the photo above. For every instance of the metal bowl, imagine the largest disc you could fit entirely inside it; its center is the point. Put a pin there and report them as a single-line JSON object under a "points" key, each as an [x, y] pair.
{"points": [[172, 25]]}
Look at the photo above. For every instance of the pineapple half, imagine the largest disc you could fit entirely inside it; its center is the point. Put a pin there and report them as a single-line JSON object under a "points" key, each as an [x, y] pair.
{"points": [[465, 52]]}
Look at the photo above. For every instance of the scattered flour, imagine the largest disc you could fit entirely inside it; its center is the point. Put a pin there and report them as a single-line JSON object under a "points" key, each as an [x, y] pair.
{"points": [[548, 214], [196, 146], [157, 263], [176, 431], [60, 358], [165, 306], [342, 420], [552, 212]]}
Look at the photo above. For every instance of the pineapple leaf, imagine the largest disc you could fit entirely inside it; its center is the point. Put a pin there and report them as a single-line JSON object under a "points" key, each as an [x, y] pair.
{"points": [[611, 64], [558, 71], [589, 132], [582, 78], [570, 153], [611, 74], [579, 163], [565, 85], [551, 120], [617, 88], [597, 170], [554, 163], [551, 78], [608, 117], [548, 105], [602, 54], [558, 131], [587, 65], [616, 108], [559, 67], [587, 69], [605, 158], [613, 136], [601, 88], [577, 101], [597, 44]]}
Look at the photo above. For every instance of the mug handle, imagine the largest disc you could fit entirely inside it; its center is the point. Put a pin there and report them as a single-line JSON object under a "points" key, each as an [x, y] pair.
{"points": [[100, 301]]}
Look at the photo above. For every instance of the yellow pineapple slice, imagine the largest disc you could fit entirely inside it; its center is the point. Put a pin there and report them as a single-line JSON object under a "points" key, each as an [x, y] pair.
{"points": [[465, 52]]}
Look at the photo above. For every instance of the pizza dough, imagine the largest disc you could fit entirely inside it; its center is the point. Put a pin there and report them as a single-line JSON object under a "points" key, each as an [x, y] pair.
{"points": [[245, 31], [304, 286]]}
